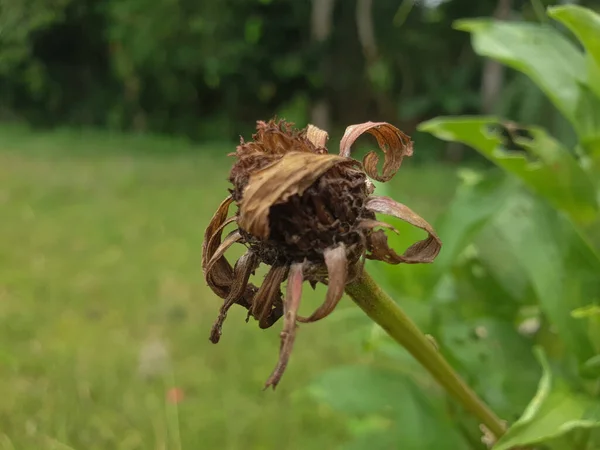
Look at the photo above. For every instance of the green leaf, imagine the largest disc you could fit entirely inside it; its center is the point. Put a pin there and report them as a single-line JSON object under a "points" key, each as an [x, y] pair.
{"points": [[368, 391], [585, 24], [360, 389], [556, 65], [591, 368], [562, 268], [491, 270], [586, 311], [496, 346], [591, 317], [477, 200], [554, 411], [555, 175], [502, 265], [383, 440]]}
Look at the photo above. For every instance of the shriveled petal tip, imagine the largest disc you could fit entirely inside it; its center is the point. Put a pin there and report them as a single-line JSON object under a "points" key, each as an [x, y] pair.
{"points": [[290, 175], [337, 269], [424, 251], [316, 136], [241, 274], [393, 142], [291, 304]]}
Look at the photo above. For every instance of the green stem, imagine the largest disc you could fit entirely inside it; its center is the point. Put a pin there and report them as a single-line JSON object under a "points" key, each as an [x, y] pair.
{"points": [[384, 311]]}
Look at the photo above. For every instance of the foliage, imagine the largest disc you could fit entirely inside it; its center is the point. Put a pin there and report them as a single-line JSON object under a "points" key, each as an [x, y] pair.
{"points": [[208, 70], [555, 410], [398, 395], [518, 275]]}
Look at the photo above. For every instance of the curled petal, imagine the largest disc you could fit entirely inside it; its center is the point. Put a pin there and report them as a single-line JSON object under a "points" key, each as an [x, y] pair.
{"points": [[220, 275], [214, 229], [290, 175], [337, 269], [393, 142], [291, 304], [265, 305], [316, 136], [217, 256], [241, 274], [219, 231], [424, 251]]}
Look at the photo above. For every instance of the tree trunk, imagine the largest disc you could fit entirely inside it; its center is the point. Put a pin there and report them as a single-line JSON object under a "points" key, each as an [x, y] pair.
{"points": [[368, 42], [492, 79], [321, 23]]}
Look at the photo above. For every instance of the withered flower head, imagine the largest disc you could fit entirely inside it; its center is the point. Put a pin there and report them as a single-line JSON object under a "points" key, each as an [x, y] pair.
{"points": [[310, 216]]}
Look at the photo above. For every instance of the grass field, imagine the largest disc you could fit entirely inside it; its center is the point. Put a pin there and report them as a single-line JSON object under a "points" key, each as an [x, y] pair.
{"points": [[103, 309]]}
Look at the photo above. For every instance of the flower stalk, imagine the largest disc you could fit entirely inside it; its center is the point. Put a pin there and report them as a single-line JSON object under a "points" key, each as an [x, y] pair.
{"points": [[367, 294]]}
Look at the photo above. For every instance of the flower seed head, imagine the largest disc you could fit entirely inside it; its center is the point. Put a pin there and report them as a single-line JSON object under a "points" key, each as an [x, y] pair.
{"points": [[300, 200], [310, 216]]}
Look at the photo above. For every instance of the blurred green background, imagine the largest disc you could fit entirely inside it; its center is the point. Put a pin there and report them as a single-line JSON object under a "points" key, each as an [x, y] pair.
{"points": [[209, 70], [116, 118]]}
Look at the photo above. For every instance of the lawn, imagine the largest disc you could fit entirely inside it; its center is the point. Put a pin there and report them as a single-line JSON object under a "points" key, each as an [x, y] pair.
{"points": [[104, 311]]}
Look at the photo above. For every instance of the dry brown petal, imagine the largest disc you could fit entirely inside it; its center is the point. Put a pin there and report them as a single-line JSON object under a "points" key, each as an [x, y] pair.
{"points": [[217, 256], [241, 274], [393, 142], [268, 295], [337, 269], [317, 136], [219, 277], [424, 251], [290, 175], [291, 304], [219, 231]]}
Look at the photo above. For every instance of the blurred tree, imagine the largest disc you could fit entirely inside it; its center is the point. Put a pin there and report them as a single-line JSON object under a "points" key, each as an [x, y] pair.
{"points": [[210, 69], [23, 75], [321, 24]]}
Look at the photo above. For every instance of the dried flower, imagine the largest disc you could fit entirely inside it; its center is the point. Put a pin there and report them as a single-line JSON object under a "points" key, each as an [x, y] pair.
{"points": [[310, 216]]}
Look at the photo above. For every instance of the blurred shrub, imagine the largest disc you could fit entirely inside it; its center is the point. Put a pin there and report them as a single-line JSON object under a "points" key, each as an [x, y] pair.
{"points": [[210, 69], [19, 23], [512, 301], [151, 65]]}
